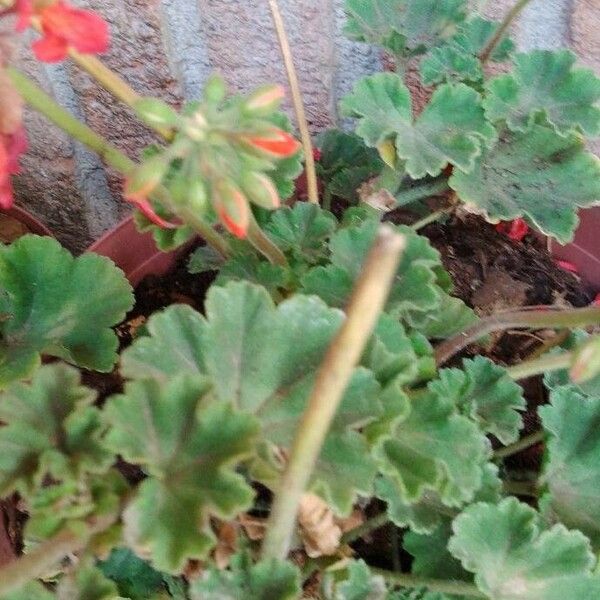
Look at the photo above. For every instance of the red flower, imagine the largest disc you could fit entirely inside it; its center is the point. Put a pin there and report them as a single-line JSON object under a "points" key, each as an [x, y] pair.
{"points": [[276, 143], [64, 27], [516, 230], [11, 147], [567, 266], [231, 207]]}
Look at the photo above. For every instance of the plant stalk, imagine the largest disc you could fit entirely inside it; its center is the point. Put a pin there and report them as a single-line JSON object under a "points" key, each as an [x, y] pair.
{"points": [[522, 444], [458, 588], [432, 218], [366, 303], [258, 238], [286, 52], [538, 318], [511, 15], [422, 191], [30, 566], [365, 528], [538, 366], [44, 104]]}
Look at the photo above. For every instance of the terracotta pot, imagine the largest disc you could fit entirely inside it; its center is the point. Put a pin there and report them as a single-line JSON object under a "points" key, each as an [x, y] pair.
{"points": [[135, 253], [27, 219], [584, 252]]}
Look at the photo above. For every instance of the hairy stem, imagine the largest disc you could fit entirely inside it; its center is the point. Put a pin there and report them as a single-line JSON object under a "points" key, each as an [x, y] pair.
{"points": [[365, 305], [30, 566], [45, 104], [511, 15], [432, 218], [258, 238], [421, 191], [365, 528], [524, 443], [311, 173], [535, 318], [459, 588], [538, 366]]}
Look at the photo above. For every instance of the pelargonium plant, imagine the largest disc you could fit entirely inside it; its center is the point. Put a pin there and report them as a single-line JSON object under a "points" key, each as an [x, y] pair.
{"points": [[324, 379]]}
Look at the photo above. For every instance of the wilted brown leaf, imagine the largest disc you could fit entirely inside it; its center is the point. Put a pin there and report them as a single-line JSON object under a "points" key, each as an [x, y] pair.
{"points": [[227, 536], [318, 528]]}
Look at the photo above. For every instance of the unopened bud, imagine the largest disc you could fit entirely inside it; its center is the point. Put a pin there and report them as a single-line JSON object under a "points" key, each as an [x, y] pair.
{"points": [[264, 100], [146, 177], [387, 151], [231, 207], [215, 89], [156, 113], [274, 143], [586, 361], [260, 190]]}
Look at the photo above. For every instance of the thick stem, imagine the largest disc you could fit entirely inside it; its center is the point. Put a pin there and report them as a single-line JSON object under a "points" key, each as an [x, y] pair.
{"points": [[36, 563], [44, 104], [419, 192], [311, 173], [367, 301], [258, 238], [538, 318], [512, 14], [524, 443], [538, 366], [458, 588]]}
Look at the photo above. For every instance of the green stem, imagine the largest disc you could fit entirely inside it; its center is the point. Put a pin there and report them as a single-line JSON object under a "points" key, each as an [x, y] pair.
{"points": [[512, 14], [365, 528], [258, 238], [33, 565], [529, 440], [523, 319], [343, 355], [458, 588], [419, 192], [45, 104], [432, 218], [327, 199], [538, 366], [520, 488]]}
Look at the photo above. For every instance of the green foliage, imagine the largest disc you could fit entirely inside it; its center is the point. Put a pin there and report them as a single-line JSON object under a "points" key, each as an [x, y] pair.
{"points": [[265, 580], [87, 583], [189, 447], [406, 27], [513, 558], [451, 129], [572, 470], [545, 84], [360, 584], [57, 305], [203, 259], [538, 175]]}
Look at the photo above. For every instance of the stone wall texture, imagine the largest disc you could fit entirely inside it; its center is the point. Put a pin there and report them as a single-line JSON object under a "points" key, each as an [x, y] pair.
{"points": [[167, 48]]}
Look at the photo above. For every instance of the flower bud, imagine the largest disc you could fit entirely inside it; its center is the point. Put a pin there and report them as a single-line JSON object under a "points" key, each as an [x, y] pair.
{"points": [[586, 361], [260, 190], [147, 177], [264, 100], [231, 207], [215, 89], [387, 151], [274, 143], [156, 113]]}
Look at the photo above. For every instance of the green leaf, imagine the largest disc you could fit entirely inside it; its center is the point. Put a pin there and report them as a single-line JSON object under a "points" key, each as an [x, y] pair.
{"points": [[485, 392], [360, 584], [249, 267], [414, 292], [57, 305], [431, 555], [166, 239], [403, 26], [435, 449], [346, 163], [87, 583], [266, 580], [134, 577], [545, 83], [451, 317], [451, 129], [572, 469], [538, 175], [203, 259], [51, 428], [190, 448], [511, 558], [33, 590], [302, 229], [458, 59], [173, 345]]}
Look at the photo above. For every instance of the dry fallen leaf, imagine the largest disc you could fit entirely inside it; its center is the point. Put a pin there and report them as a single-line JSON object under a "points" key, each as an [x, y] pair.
{"points": [[253, 526], [226, 547], [318, 528]]}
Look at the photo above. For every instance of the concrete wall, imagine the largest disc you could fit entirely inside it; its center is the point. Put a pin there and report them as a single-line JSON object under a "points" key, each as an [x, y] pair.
{"points": [[167, 48]]}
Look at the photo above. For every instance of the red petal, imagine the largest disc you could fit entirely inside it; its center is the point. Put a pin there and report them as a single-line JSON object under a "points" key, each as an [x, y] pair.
{"points": [[50, 48], [516, 230], [240, 230], [146, 209], [277, 142], [596, 301], [24, 10], [6, 196], [16, 145], [567, 266]]}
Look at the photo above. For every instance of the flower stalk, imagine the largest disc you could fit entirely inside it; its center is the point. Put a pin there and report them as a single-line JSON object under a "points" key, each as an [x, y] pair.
{"points": [[332, 379]]}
